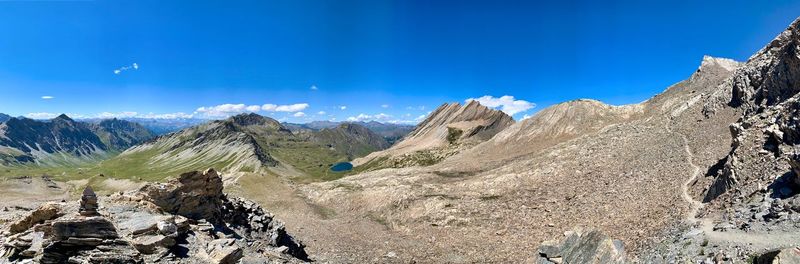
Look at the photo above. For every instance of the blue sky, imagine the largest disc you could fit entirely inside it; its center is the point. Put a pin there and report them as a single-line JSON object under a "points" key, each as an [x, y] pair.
{"points": [[385, 60]]}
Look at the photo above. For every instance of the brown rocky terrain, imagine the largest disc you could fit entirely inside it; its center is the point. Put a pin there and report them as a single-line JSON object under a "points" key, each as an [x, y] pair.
{"points": [[633, 172], [187, 220]]}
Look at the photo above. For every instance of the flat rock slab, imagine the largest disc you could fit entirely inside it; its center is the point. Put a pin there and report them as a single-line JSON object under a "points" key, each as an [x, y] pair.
{"points": [[88, 227]]}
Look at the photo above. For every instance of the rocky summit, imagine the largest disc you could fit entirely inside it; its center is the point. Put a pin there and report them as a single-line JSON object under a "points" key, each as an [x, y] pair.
{"points": [[186, 220]]}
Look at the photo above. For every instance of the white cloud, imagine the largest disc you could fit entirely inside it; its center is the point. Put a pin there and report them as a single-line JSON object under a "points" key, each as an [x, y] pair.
{"points": [[383, 118], [420, 108], [41, 115], [299, 114], [269, 107], [253, 108], [526, 116], [385, 105], [366, 117], [116, 115], [291, 108], [47, 97], [321, 113], [344, 107], [506, 103], [178, 115], [314, 88], [284, 108], [107, 115], [134, 66], [225, 110]]}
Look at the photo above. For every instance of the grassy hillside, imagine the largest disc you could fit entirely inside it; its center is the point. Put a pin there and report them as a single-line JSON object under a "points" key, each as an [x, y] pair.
{"points": [[246, 143]]}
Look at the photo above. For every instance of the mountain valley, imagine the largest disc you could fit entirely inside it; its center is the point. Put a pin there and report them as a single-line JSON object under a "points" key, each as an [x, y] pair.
{"points": [[707, 171]]}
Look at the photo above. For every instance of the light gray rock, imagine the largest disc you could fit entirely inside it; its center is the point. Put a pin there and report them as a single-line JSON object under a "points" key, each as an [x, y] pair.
{"points": [[583, 247]]}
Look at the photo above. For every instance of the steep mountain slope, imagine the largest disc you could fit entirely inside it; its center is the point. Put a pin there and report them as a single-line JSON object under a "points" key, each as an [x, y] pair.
{"points": [[245, 143], [119, 134], [351, 139], [4, 117], [58, 140], [702, 170], [65, 141], [228, 145], [447, 130], [550, 126]]}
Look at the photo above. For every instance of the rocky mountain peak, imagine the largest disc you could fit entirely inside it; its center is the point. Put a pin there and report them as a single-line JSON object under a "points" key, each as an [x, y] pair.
{"points": [[250, 119], [256, 120], [473, 114], [725, 63], [447, 130], [63, 117]]}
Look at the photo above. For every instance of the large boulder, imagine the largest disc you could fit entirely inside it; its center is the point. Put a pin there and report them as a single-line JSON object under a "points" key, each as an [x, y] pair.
{"points": [[590, 247], [84, 227], [45, 212], [196, 195]]}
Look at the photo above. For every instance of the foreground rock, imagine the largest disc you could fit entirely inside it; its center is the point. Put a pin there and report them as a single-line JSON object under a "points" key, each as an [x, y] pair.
{"points": [[581, 246], [188, 220]]}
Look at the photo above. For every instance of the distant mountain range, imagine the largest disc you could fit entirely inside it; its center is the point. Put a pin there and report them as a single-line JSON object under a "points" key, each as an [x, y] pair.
{"points": [[390, 132], [158, 126], [63, 139], [246, 143]]}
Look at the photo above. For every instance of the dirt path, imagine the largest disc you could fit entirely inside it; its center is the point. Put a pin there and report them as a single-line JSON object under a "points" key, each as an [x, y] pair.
{"points": [[706, 225]]}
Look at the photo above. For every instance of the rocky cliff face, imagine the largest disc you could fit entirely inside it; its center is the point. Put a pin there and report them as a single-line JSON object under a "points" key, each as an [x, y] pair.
{"points": [[754, 187], [447, 130], [174, 222]]}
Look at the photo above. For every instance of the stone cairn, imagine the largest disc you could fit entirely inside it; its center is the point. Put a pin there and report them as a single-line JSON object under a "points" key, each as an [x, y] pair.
{"points": [[88, 202]]}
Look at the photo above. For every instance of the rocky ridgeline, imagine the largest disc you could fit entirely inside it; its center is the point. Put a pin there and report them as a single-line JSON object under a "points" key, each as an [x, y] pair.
{"points": [[187, 220]]}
